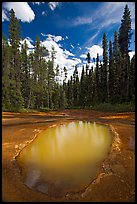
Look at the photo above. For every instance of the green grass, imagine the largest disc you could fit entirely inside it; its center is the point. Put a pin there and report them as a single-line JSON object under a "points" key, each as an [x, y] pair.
{"points": [[107, 107]]}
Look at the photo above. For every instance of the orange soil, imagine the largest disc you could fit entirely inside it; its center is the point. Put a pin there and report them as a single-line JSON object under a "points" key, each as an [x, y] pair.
{"points": [[115, 180]]}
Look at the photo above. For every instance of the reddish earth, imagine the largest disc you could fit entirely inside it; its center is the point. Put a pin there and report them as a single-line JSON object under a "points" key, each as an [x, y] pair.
{"points": [[115, 180]]}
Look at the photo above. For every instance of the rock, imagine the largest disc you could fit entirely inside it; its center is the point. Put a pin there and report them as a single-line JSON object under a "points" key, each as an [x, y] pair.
{"points": [[16, 146]]}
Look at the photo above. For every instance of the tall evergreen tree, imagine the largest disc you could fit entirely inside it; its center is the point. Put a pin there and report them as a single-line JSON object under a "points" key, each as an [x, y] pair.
{"points": [[6, 104], [15, 84], [125, 34], [82, 88], [75, 87], [25, 75], [132, 79], [88, 58], [105, 69], [111, 72], [90, 87], [118, 85], [97, 80]]}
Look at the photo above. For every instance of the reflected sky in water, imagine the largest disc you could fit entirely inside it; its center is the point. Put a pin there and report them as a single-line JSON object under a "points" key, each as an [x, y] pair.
{"points": [[65, 157]]}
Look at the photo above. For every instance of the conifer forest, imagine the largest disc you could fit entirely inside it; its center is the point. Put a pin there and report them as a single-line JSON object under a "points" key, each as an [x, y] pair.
{"points": [[29, 81]]}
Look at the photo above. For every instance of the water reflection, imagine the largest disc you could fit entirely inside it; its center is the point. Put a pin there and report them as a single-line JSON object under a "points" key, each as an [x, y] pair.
{"points": [[65, 157]]}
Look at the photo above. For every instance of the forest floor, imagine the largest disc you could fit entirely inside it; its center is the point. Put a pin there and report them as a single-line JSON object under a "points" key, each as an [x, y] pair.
{"points": [[115, 180]]}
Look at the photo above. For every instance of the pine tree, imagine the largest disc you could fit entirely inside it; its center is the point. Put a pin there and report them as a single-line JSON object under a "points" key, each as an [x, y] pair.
{"points": [[125, 34], [111, 72], [100, 82], [104, 70], [90, 88], [6, 104], [132, 79], [25, 75], [88, 58], [97, 77], [16, 98], [51, 83], [117, 70], [75, 87], [82, 88], [71, 97]]}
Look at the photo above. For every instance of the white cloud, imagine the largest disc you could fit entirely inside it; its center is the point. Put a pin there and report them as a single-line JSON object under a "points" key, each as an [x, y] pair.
{"points": [[72, 46], [4, 15], [62, 56], [54, 38], [66, 37], [93, 51], [22, 10], [111, 13], [83, 56], [53, 5], [28, 41], [79, 48], [38, 3], [44, 13], [81, 21], [89, 42], [131, 54], [58, 38], [68, 53], [43, 34]]}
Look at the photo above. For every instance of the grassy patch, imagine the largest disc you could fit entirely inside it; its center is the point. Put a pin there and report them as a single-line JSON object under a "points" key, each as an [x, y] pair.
{"points": [[123, 107]]}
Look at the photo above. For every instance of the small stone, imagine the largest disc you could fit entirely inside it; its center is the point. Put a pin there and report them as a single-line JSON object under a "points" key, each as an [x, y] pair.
{"points": [[16, 146]]}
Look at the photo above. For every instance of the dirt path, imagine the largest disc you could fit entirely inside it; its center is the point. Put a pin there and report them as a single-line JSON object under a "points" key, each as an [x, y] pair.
{"points": [[115, 180]]}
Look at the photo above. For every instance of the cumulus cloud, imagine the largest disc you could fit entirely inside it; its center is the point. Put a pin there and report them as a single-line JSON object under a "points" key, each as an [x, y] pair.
{"points": [[93, 51], [53, 5], [68, 53], [54, 38], [58, 38], [62, 56], [29, 42], [83, 56], [22, 11], [66, 37]]}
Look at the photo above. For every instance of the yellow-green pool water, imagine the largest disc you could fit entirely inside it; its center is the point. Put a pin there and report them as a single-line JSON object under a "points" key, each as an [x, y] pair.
{"points": [[65, 158]]}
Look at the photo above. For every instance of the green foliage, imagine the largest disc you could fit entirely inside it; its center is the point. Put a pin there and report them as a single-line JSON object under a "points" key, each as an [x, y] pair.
{"points": [[121, 107], [104, 69], [29, 82], [125, 32]]}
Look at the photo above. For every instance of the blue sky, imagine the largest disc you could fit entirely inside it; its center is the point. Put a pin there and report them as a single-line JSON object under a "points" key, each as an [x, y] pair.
{"points": [[73, 28]]}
